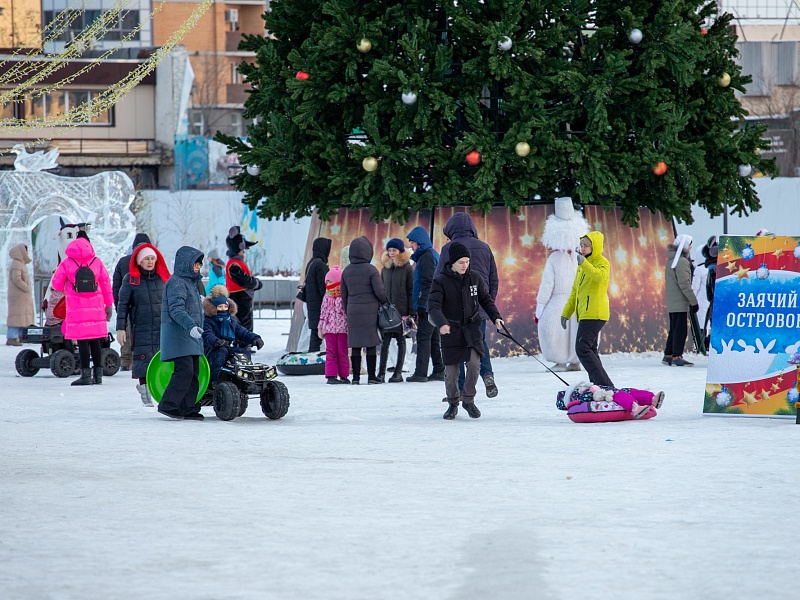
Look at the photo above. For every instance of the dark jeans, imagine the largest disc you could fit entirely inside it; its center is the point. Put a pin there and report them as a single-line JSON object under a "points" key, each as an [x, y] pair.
{"points": [[86, 347], [429, 346], [315, 342], [181, 393], [586, 349], [245, 305], [676, 340], [486, 362]]}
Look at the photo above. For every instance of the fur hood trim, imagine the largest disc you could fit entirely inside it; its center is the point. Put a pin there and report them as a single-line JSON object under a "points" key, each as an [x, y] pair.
{"points": [[402, 259], [211, 311]]}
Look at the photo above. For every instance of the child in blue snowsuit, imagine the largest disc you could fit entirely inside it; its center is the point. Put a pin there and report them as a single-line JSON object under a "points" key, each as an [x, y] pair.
{"points": [[222, 332]]}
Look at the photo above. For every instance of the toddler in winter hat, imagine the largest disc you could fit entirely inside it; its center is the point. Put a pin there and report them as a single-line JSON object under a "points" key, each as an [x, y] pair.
{"points": [[458, 251], [333, 280]]}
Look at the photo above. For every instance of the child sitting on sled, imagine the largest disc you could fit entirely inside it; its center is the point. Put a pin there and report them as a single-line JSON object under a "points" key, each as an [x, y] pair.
{"points": [[637, 402], [222, 332]]}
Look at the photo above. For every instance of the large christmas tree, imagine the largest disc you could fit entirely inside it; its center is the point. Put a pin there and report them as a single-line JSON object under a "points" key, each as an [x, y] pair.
{"points": [[399, 106]]}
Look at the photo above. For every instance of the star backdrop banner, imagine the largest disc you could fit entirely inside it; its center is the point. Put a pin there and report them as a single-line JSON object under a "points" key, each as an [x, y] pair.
{"points": [[755, 333], [638, 316]]}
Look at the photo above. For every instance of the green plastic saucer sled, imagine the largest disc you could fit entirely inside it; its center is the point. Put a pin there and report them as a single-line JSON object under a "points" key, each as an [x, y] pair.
{"points": [[159, 374]]}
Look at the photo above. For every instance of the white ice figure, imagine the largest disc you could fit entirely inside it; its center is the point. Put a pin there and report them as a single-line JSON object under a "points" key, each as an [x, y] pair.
{"points": [[731, 366], [34, 161], [26, 198]]}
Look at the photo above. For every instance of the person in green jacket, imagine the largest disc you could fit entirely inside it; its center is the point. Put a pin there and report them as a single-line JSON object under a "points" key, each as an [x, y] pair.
{"points": [[589, 302]]}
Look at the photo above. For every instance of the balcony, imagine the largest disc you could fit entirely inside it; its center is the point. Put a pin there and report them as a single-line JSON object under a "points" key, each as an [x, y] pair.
{"points": [[235, 93]]}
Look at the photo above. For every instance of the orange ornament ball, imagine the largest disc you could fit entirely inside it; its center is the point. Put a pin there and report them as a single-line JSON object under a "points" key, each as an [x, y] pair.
{"points": [[302, 75], [660, 168], [474, 157]]}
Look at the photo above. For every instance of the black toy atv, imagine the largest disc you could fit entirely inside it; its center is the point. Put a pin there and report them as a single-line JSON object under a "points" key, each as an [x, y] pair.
{"points": [[58, 354], [239, 379]]}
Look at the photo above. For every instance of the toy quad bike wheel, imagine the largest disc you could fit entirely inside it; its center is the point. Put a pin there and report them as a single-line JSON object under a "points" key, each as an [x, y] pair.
{"points": [[227, 401], [275, 400], [62, 363], [24, 363], [109, 358]]}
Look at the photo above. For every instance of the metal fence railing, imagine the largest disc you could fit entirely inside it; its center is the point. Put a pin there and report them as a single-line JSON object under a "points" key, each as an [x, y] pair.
{"points": [[778, 10]]}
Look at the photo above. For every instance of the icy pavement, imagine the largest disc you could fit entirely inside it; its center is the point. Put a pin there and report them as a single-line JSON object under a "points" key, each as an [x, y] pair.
{"points": [[367, 493]]}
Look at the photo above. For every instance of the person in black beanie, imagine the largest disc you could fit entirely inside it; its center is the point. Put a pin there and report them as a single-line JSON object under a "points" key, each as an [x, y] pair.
{"points": [[454, 304], [241, 284]]}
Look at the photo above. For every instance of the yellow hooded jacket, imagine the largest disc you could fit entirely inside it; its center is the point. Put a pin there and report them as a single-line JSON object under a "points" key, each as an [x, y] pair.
{"points": [[589, 296]]}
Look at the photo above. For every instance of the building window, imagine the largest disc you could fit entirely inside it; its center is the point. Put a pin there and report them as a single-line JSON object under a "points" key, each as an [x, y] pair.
{"points": [[52, 105], [120, 26], [236, 77], [196, 123]]}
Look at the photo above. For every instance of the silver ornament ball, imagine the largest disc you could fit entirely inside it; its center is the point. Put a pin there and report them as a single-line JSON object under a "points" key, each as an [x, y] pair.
{"points": [[635, 36], [408, 97], [253, 170], [505, 44], [745, 170]]}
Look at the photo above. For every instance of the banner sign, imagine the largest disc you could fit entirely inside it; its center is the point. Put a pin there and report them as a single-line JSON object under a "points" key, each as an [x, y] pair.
{"points": [[755, 328]]}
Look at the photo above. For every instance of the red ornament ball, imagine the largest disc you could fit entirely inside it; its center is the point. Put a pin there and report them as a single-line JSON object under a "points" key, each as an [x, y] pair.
{"points": [[703, 31], [302, 75], [473, 157], [660, 168]]}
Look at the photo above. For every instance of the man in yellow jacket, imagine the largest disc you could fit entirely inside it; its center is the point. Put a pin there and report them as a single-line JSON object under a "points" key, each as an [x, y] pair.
{"points": [[589, 301]]}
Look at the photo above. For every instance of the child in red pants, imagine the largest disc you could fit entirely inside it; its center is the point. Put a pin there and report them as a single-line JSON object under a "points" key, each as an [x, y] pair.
{"points": [[333, 327]]}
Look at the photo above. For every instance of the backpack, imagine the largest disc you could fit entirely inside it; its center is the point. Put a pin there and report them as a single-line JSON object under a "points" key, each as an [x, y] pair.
{"points": [[84, 278]]}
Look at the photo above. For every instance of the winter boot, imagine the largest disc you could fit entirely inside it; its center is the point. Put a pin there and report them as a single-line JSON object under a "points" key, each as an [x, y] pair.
{"points": [[472, 410], [144, 393], [384, 360], [436, 376], [658, 399], [574, 367], [344, 380], [371, 378], [639, 410], [559, 367], [491, 387], [97, 377], [679, 361], [85, 378], [417, 378], [397, 377], [334, 381], [13, 342], [452, 410], [666, 360], [355, 365]]}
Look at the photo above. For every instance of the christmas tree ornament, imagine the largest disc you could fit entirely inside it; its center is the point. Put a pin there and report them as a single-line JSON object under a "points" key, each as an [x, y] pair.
{"points": [[724, 80], [253, 170], [370, 164], [762, 272], [660, 168], [302, 75], [748, 252], [724, 398], [745, 170], [409, 97], [364, 45], [473, 157], [522, 149], [703, 31], [792, 395], [635, 36], [505, 43], [796, 251]]}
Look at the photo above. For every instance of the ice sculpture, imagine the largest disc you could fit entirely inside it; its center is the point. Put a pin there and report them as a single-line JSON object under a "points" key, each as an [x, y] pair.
{"points": [[34, 161], [103, 200]]}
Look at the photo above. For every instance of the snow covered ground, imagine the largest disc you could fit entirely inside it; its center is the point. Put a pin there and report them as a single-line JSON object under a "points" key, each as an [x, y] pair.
{"points": [[367, 493]]}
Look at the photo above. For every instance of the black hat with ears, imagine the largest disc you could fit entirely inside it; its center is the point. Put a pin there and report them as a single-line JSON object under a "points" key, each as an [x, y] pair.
{"points": [[236, 242]]}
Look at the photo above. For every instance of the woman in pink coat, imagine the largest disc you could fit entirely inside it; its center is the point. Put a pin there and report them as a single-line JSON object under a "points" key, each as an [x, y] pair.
{"points": [[87, 311]]}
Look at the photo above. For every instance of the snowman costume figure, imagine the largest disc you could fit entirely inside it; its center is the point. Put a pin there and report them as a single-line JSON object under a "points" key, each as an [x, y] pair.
{"points": [[562, 235]]}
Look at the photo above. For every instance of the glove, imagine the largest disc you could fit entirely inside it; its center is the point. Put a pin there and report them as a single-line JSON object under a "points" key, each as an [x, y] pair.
{"points": [[694, 308], [196, 332], [108, 313], [536, 320], [580, 258], [259, 343], [564, 322], [220, 343], [121, 336]]}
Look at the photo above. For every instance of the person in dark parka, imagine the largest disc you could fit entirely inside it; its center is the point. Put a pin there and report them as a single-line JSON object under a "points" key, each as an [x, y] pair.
{"points": [[362, 294], [454, 304], [398, 281], [139, 305], [222, 333], [181, 336], [461, 228], [120, 272], [316, 269]]}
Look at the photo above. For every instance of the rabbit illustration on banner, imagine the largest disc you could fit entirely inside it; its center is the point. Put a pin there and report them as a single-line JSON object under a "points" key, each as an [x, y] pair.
{"points": [[730, 366]]}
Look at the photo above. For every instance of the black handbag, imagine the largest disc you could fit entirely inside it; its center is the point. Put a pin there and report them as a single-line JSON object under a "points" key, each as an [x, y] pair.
{"points": [[389, 317], [301, 293]]}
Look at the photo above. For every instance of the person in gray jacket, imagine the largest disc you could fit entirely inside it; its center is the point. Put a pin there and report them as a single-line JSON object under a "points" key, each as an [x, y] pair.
{"points": [[362, 294], [680, 299], [461, 228], [181, 336]]}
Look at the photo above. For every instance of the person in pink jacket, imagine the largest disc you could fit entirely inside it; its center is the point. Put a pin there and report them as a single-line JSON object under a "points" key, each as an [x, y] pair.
{"points": [[87, 311]]}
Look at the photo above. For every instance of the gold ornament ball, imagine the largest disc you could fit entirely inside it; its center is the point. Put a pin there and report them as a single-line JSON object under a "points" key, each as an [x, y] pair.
{"points": [[370, 164], [724, 80], [522, 149], [364, 45]]}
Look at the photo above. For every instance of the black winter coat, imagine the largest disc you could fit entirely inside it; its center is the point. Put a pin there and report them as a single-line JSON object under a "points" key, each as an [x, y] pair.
{"points": [[316, 269], [123, 266], [141, 305], [362, 294], [398, 280], [456, 300]]}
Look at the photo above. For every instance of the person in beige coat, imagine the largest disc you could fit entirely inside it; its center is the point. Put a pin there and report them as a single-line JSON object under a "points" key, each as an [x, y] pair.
{"points": [[20, 297], [680, 299]]}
